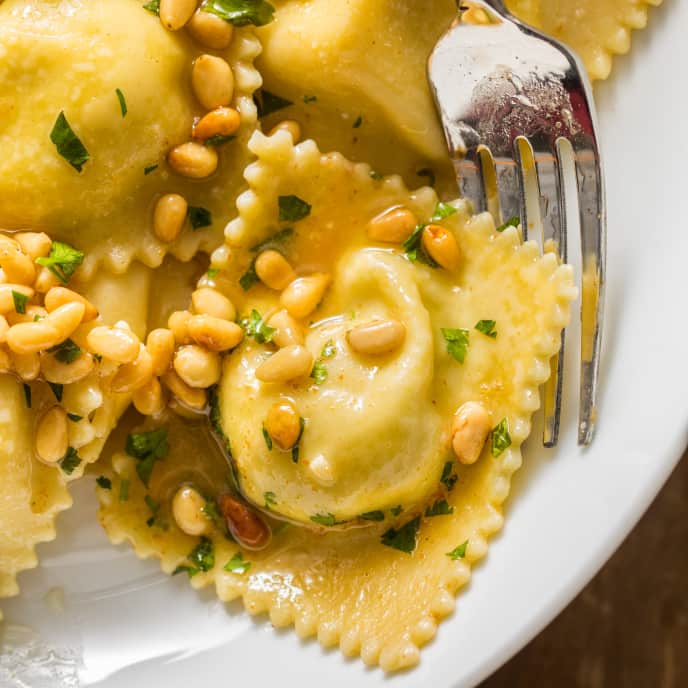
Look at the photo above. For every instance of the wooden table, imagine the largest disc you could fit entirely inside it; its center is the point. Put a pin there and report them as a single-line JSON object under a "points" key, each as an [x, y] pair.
{"points": [[629, 626]]}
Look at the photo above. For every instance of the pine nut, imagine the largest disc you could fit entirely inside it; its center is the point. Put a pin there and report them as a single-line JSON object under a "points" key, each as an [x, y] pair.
{"points": [[393, 226], [283, 424], [213, 333], [210, 30], [193, 160], [32, 337], [212, 81], [222, 121], [304, 294], [274, 270], [208, 301], [377, 337], [52, 435], [289, 363], [65, 319], [178, 322], [160, 345], [45, 280], [7, 298], [290, 126], [149, 400], [134, 375], [35, 244], [175, 13], [197, 366], [287, 330], [59, 296], [114, 343], [187, 509], [61, 373], [169, 217], [17, 265], [33, 313], [243, 523], [4, 326], [441, 246], [190, 396], [27, 366], [470, 427]]}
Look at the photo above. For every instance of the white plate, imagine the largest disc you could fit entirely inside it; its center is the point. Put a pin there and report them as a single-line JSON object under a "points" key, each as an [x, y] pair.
{"points": [[123, 623]]}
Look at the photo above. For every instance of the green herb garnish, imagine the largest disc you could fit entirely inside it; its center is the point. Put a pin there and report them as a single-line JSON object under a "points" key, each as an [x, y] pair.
{"points": [[70, 461], [27, 395], [439, 508], [459, 552], [149, 169], [319, 372], [373, 515], [267, 103], [457, 342], [62, 261], [241, 12], [487, 328], [68, 144], [270, 499], [202, 556], [122, 102], [267, 438], [218, 140], [404, 538], [210, 510], [295, 448], [427, 172], [75, 418], [310, 99], [254, 326], [442, 211], [153, 6], [152, 504], [413, 248], [328, 520], [375, 175], [104, 482], [147, 447], [514, 221], [249, 278], [199, 217], [396, 510], [501, 439], [124, 490], [212, 273], [57, 390], [357, 123], [20, 301], [66, 352], [292, 208], [237, 564], [329, 350], [449, 478]]}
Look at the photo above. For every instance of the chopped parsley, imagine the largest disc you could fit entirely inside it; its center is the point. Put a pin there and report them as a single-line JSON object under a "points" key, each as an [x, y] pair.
{"points": [[153, 6], [66, 352], [295, 448], [27, 395], [267, 438], [514, 221], [449, 478], [439, 508], [413, 248], [75, 418], [122, 103], [429, 174], [237, 564], [70, 461], [396, 510], [149, 169], [124, 490], [459, 552], [404, 538], [254, 326], [501, 439], [270, 499], [218, 140], [202, 556], [62, 261], [328, 520], [329, 350], [151, 503], [442, 211], [373, 515], [249, 278], [212, 273], [267, 103], [241, 12], [487, 327], [56, 389], [375, 175], [457, 342], [209, 510], [358, 122], [310, 99], [104, 482], [147, 447], [68, 144], [199, 217], [20, 301], [292, 208], [319, 372], [215, 418]]}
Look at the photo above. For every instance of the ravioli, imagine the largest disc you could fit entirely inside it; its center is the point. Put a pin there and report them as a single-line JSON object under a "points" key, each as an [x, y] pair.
{"points": [[74, 56]]}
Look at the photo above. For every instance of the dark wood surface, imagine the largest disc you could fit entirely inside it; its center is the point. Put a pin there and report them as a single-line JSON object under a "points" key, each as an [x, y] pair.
{"points": [[629, 627]]}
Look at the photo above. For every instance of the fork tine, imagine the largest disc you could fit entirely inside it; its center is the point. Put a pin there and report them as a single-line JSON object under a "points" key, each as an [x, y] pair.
{"points": [[509, 186], [470, 177], [591, 203]]}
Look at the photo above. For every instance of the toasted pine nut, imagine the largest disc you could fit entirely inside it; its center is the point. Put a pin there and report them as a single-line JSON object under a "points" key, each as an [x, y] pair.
{"points": [[193, 160], [66, 318], [377, 337], [32, 337], [286, 364], [178, 322], [303, 295], [208, 301], [4, 326], [187, 509], [17, 265], [27, 366], [32, 314], [212, 81], [470, 427], [213, 333], [289, 125], [175, 13], [190, 396], [197, 366], [45, 280], [59, 296], [283, 424], [442, 247], [52, 435], [149, 399], [169, 217], [210, 30], [134, 375], [114, 343], [392, 226], [288, 331], [222, 121], [475, 15], [7, 298], [274, 270], [5, 361], [160, 345], [35, 244], [66, 373], [243, 523]]}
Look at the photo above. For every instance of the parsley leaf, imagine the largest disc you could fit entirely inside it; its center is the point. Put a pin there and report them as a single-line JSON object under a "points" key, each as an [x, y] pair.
{"points": [[375, 175], [149, 169], [373, 516], [124, 490], [295, 448], [56, 389], [68, 144], [358, 122], [413, 247], [249, 278], [267, 438], [329, 350], [514, 221], [215, 418], [74, 417], [66, 352], [237, 564], [199, 217], [501, 439], [328, 520], [218, 140], [267, 103], [457, 342], [487, 327], [27, 395], [153, 6], [122, 103], [20, 301], [396, 510], [147, 447], [439, 508], [212, 273], [292, 208], [202, 556], [62, 261], [241, 12], [310, 99], [459, 552], [442, 211], [404, 538], [254, 326], [104, 482], [151, 503], [270, 499], [190, 570], [319, 372], [448, 477], [70, 461], [427, 172]]}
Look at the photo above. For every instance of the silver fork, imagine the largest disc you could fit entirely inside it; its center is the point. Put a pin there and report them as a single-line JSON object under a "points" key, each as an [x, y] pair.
{"points": [[508, 98]]}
